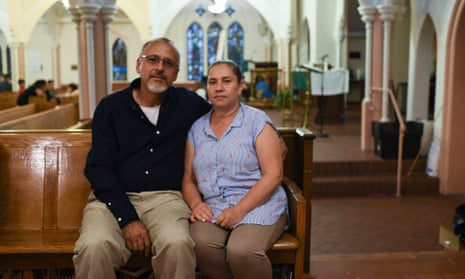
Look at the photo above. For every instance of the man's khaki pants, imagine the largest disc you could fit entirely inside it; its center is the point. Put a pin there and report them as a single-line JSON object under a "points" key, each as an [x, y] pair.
{"points": [[101, 249]]}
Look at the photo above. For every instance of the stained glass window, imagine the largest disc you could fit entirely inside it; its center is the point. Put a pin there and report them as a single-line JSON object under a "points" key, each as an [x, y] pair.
{"points": [[8, 59], [120, 64], [236, 43], [1, 59], [213, 38], [195, 48]]}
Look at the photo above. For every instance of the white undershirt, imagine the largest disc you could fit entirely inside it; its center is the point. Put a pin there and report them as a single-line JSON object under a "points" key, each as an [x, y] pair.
{"points": [[151, 113]]}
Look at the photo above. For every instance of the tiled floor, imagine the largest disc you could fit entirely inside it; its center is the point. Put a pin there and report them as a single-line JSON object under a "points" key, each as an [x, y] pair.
{"points": [[363, 237]]}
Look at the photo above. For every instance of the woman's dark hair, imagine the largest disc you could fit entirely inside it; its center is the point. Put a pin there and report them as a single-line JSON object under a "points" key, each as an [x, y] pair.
{"points": [[39, 83], [234, 67], [73, 86]]}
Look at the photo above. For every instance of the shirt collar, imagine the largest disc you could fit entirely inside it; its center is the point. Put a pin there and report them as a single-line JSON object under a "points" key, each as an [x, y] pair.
{"points": [[238, 119]]}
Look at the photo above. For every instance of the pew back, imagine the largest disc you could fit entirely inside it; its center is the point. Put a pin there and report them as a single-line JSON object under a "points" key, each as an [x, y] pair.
{"points": [[12, 113], [8, 99], [55, 118]]}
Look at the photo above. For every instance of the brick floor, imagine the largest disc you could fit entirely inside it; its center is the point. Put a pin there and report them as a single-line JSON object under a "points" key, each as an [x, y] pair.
{"points": [[376, 236], [380, 224]]}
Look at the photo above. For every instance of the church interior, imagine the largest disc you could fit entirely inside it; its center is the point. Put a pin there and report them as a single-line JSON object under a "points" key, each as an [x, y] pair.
{"points": [[376, 86]]}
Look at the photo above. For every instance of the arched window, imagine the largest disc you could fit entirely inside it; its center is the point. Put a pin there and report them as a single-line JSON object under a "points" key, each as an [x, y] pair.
{"points": [[195, 52], [1, 59], [213, 38], [8, 59], [120, 63], [236, 43]]}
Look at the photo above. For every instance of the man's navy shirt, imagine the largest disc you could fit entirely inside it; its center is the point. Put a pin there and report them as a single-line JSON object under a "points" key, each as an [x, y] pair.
{"points": [[130, 154]]}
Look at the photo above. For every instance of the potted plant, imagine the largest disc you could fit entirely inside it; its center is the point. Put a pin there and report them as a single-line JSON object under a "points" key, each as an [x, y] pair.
{"points": [[283, 101]]}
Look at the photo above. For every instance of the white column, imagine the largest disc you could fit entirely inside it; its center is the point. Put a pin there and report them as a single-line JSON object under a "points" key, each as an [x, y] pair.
{"points": [[14, 47], [89, 16], [15, 65], [77, 19], [339, 37], [108, 13], [3, 56], [368, 16], [388, 13]]}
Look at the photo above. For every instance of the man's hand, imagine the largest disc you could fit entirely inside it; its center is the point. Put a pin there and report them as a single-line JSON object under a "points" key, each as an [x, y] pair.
{"points": [[137, 238]]}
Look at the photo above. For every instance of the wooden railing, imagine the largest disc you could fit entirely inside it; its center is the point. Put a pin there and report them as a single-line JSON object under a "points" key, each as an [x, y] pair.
{"points": [[402, 129]]}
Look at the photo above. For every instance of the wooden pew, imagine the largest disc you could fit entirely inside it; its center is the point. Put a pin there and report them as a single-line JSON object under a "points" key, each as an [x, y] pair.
{"points": [[16, 112], [42, 102], [55, 118], [44, 191], [298, 166], [8, 99]]}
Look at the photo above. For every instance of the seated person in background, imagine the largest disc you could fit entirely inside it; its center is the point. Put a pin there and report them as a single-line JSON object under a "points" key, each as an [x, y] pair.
{"points": [[71, 90], [36, 89], [232, 175], [21, 86], [5, 83], [50, 89]]}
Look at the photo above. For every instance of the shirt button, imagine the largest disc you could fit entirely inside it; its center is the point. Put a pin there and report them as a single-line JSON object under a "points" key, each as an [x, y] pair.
{"points": [[146, 172], [151, 149], [120, 219], [157, 132], [142, 116], [109, 204]]}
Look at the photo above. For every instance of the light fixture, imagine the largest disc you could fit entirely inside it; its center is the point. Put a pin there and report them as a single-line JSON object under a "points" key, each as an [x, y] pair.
{"points": [[65, 3], [218, 6]]}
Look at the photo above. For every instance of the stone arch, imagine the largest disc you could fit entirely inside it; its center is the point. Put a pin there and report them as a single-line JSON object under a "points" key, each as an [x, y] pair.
{"points": [[453, 135], [424, 65]]}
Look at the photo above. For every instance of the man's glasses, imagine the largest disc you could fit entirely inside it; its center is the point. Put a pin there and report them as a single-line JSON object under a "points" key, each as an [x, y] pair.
{"points": [[154, 60]]}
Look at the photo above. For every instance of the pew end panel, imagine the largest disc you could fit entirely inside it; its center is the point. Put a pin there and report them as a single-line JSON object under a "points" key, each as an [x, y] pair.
{"points": [[298, 166], [43, 185]]}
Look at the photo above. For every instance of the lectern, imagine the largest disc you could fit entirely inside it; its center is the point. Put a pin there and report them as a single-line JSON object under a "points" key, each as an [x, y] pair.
{"points": [[321, 107]]}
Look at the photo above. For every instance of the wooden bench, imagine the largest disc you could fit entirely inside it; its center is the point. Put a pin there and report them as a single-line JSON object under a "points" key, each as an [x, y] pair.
{"points": [[12, 113], [43, 191], [55, 118], [8, 100]]}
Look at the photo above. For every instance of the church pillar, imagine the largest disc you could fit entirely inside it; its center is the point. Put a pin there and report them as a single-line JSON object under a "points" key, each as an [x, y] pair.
{"points": [[83, 96], [389, 11], [89, 16], [18, 63], [368, 14], [3, 56], [339, 38], [108, 14]]}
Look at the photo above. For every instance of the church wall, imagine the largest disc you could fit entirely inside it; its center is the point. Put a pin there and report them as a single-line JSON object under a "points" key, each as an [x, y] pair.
{"points": [[39, 54]]}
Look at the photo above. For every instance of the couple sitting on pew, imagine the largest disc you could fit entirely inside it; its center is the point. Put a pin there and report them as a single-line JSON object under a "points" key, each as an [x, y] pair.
{"points": [[230, 208]]}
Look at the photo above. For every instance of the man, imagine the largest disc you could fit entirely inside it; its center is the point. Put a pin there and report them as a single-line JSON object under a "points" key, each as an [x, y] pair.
{"points": [[135, 167], [5, 83]]}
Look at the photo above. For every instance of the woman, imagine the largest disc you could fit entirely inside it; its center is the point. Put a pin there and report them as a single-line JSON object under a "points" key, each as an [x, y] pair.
{"points": [[233, 170], [36, 89]]}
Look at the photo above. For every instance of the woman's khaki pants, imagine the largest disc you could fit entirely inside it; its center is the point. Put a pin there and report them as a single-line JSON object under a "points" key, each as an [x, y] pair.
{"points": [[239, 253]]}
